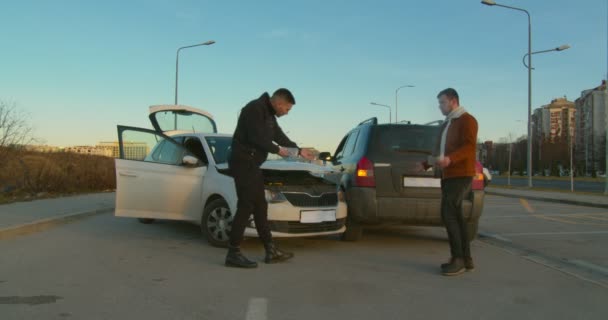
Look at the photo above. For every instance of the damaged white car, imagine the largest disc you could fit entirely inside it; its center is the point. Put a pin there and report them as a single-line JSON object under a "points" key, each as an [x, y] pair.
{"points": [[179, 171]]}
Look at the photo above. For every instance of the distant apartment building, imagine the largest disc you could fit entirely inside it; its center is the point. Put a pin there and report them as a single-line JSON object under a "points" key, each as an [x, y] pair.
{"points": [[133, 150], [554, 121], [590, 143], [42, 148], [88, 150]]}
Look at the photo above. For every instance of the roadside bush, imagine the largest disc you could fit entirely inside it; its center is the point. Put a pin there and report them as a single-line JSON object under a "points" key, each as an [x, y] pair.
{"points": [[30, 173]]}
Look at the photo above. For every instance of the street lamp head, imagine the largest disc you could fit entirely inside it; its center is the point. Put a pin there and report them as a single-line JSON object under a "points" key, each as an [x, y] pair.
{"points": [[489, 2], [208, 43], [562, 47]]}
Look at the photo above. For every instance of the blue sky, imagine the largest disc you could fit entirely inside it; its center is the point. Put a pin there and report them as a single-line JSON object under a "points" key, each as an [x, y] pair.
{"points": [[79, 68]]}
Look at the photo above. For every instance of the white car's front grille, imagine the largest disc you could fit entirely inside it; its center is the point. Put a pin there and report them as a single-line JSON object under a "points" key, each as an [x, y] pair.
{"points": [[306, 200], [297, 227]]}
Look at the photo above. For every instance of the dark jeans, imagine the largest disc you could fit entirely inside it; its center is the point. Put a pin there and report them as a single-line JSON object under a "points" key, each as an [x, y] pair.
{"points": [[453, 191], [249, 183]]}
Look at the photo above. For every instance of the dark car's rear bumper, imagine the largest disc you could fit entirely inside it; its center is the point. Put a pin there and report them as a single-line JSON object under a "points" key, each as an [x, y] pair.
{"points": [[365, 207]]}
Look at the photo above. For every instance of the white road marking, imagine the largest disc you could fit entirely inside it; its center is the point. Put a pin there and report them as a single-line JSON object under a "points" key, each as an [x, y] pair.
{"points": [[591, 266], [554, 233], [257, 309]]}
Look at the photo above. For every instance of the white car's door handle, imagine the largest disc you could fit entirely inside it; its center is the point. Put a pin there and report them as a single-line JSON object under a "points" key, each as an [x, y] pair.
{"points": [[127, 174]]}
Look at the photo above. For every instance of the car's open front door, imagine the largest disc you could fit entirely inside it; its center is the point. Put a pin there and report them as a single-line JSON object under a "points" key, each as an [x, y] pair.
{"points": [[156, 177]]}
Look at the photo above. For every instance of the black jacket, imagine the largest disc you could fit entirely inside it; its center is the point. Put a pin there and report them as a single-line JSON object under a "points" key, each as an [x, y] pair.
{"points": [[255, 132]]}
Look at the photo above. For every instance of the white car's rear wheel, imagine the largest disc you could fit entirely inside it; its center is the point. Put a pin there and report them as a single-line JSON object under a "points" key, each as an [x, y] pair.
{"points": [[217, 222]]}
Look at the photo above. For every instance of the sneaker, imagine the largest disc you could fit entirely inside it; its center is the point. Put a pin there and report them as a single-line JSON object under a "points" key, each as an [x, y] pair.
{"points": [[443, 266], [468, 264], [455, 268]]}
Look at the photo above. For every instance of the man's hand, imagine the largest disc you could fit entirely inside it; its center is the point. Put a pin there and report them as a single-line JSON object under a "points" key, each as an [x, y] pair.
{"points": [[307, 154], [283, 152], [443, 162]]}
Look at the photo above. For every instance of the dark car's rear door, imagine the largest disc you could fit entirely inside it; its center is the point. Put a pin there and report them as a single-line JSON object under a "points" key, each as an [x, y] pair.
{"points": [[399, 153]]}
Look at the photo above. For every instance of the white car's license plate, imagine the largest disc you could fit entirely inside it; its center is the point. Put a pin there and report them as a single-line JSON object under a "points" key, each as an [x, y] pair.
{"points": [[317, 216], [421, 182]]}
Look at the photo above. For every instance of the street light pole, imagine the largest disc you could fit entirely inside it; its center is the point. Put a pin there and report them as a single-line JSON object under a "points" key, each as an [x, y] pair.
{"points": [[493, 3], [606, 120], [396, 99], [570, 136], [560, 48], [208, 43], [390, 116]]}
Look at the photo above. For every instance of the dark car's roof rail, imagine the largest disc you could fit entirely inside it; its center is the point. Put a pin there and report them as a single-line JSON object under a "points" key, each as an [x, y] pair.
{"points": [[436, 122], [372, 121]]}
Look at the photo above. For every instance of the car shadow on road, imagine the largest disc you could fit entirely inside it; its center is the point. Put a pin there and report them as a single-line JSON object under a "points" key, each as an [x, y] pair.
{"points": [[415, 240]]}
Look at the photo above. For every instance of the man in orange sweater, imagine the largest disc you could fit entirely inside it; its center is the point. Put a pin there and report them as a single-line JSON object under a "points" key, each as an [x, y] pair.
{"points": [[457, 146]]}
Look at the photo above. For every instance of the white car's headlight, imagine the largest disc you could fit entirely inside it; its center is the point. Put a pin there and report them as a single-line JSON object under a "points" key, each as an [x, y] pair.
{"points": [[274, 196]]}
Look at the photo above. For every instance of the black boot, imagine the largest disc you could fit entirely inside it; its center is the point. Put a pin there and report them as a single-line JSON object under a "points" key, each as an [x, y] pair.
{"points": [[236, 259], [274, 255], [455, 268]]}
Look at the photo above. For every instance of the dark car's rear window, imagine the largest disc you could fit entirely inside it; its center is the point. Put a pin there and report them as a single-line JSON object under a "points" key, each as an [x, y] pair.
{"points": [[392, 140]]}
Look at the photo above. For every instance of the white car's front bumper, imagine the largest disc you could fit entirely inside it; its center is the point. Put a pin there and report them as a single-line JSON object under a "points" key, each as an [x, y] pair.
{"points": [[252, 233], [284, 219]]}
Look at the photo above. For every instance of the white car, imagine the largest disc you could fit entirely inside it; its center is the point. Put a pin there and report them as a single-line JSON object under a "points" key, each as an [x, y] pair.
{"points": [[179, 171], [487, 177]]}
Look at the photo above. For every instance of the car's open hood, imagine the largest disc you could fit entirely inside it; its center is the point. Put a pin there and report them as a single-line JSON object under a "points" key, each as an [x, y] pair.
{"points": [[289, 166]]}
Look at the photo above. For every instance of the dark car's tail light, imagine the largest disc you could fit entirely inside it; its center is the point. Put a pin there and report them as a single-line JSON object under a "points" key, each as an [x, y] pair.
{"points": [[478, 183], [365, 173]]}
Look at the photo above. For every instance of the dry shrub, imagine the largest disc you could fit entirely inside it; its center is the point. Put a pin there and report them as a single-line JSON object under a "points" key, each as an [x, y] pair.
{"points": [[30, 172]]}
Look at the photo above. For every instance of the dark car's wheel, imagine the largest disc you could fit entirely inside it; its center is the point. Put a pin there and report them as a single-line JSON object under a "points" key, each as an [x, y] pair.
{"points": [[472, 228], [146, 220], [354, 230], [217, 222]]}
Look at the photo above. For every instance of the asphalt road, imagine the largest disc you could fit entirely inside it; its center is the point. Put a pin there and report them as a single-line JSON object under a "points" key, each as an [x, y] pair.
{"points": [[583, 186], [110, 268]]}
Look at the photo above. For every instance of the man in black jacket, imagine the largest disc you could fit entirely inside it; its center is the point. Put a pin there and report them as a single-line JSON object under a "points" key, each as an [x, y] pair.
{"points": [[253, 139]]}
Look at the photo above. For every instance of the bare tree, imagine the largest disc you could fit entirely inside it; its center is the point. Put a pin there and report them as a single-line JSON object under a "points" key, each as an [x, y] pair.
{"points": [[15, 130]]}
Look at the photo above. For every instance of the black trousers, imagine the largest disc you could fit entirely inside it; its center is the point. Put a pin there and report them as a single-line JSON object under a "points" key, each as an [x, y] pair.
{"points": [[453, 191], [249, 183]]}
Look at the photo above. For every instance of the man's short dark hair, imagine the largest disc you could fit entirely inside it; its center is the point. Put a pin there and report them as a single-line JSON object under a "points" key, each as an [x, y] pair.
{"points": [[450, 94], [285, 95]]}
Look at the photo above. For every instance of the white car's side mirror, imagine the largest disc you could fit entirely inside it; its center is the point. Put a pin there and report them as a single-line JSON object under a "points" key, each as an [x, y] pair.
{"points": [[190, 161]]}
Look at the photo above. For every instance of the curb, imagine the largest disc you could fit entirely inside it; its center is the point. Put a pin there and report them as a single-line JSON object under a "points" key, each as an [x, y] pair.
{"points": [[564, 201], [44, 224]]}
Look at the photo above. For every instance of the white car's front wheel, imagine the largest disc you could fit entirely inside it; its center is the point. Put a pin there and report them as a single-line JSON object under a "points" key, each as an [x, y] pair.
{"points": [[217, 222]]}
